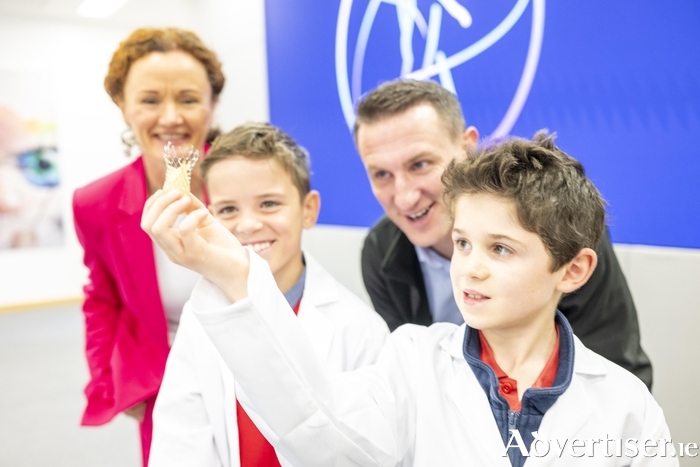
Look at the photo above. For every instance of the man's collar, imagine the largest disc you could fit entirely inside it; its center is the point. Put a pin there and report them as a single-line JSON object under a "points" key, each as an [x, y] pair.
{"points": [[432, 258]]}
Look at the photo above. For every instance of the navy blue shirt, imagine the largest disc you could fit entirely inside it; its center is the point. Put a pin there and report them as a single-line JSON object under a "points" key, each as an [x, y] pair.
{"points": [[535, 402]]}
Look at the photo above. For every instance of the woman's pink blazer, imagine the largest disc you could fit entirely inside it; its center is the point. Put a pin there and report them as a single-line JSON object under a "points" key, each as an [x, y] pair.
{"points": [[126, 330]]}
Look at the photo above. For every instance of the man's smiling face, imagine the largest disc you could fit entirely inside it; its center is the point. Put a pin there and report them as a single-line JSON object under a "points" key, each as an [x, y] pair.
{"points": [[404, 156]]}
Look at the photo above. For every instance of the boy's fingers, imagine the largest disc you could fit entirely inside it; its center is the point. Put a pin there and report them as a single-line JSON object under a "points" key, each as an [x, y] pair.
{"points": [[195, 203], [154, 207], [189, 224], [165, 212], [188, 229], [151, 199], [164, 230]]}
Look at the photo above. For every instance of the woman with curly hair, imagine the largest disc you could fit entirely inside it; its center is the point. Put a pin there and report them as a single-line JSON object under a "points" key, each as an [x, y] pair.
{"points": [[166, 83]]}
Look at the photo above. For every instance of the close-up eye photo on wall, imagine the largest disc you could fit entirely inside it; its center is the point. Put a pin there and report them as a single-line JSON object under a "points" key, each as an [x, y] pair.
{"points": [[381, 233]]}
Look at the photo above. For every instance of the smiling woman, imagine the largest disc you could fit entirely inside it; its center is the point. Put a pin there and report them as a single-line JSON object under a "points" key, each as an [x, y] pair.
{"points": [[166, 83]]}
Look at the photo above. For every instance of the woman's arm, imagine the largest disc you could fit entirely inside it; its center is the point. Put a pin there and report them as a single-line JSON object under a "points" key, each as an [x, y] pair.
{"points": [[102, 308]]}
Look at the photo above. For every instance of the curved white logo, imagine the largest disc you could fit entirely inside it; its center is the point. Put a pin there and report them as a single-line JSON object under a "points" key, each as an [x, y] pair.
{"points": [[435, 61]]}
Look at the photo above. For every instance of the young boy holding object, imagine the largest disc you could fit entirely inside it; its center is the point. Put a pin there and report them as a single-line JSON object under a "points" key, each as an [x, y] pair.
{"points": [[257, 180], [513, 386]]}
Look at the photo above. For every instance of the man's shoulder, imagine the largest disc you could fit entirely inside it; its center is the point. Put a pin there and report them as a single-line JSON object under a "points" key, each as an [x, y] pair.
{"points": [[383, 227], [385, 235]]}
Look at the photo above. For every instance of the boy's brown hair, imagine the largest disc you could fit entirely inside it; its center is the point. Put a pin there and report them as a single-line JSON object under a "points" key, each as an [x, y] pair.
{"points": [[552, 195], [395, 97], [261, 141]]}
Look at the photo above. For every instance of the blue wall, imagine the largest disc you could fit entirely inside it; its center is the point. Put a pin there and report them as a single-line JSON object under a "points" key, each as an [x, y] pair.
{"points": [[618, 81]]}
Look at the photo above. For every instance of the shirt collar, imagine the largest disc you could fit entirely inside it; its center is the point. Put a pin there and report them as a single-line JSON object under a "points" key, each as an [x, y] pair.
{"points": [[432, 258], [539, 398], [294, 294]]}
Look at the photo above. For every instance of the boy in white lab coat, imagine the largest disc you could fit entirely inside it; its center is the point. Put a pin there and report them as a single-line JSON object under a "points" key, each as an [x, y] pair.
{"points": [[511, 387], [257, 180]]}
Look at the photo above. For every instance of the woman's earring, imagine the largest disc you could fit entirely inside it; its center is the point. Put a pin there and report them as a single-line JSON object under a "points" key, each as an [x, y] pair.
{"points": [[129, 142]]}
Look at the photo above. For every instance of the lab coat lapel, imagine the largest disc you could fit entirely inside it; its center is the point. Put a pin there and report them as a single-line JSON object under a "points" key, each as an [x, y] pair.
{"points": [[565, 419], [473, 405], [228, 427], [562, 423], [320, 289], [218, 391]]}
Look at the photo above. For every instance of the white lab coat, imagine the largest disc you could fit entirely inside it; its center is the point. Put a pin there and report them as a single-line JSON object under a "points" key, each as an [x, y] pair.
{"points": [[419, 405], [195, 413]]}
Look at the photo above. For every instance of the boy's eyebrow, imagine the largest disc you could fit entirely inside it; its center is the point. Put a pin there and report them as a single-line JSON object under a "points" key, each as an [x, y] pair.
{"points": [[506, 237], [495, 237], [271, 194]]}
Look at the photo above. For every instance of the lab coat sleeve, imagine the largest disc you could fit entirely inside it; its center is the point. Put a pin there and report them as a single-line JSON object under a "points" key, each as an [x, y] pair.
{"points": [[182, 432], [375, 338], [319, 419], [366, 335]]}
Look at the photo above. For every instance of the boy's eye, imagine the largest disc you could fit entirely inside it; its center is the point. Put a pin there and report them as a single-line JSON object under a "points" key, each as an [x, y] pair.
{"points": [[461, 244], [501, 250], [227, 210], [269, 204]]}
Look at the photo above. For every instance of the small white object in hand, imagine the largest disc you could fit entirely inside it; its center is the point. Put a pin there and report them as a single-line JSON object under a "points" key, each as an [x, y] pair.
{"points": [[179, 162]]}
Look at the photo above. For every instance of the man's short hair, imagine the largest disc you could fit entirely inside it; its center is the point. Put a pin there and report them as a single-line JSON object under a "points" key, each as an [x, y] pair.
{"points": [[395, 97], [260, 141], [552, 195]]}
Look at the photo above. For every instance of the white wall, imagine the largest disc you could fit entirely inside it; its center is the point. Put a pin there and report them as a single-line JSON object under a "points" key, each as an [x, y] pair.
{"points": [[665, 284], [75, 54]]}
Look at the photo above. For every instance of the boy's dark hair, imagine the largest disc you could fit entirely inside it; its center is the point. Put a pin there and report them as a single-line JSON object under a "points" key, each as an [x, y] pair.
{"points": [[395, 97], [552, 195], [260, 141]]}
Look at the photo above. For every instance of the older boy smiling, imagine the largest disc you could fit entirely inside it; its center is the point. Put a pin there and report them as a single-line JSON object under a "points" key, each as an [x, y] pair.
{"points": [[259, 188]]}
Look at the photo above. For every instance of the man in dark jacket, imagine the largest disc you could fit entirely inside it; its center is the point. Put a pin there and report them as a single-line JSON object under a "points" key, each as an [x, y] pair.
{"points": [[406, 133]]}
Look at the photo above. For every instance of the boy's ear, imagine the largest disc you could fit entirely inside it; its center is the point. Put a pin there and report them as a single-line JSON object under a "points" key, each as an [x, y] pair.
{"points": [[310, 207], [578, 270]]}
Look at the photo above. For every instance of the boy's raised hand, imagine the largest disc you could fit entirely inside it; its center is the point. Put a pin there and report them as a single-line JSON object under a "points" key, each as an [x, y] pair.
{"points": [[199, 242]]}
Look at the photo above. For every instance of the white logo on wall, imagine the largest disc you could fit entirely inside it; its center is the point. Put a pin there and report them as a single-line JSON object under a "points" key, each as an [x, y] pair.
{"points": [[434, 62]]}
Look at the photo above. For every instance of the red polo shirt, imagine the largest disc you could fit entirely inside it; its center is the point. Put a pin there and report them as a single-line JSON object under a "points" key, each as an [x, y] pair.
{"points": [[508, 387]]}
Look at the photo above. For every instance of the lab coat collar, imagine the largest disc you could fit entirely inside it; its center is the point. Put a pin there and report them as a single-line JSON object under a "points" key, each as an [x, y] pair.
{"points": [[320, 290], [586, 362], [472, 403]]}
